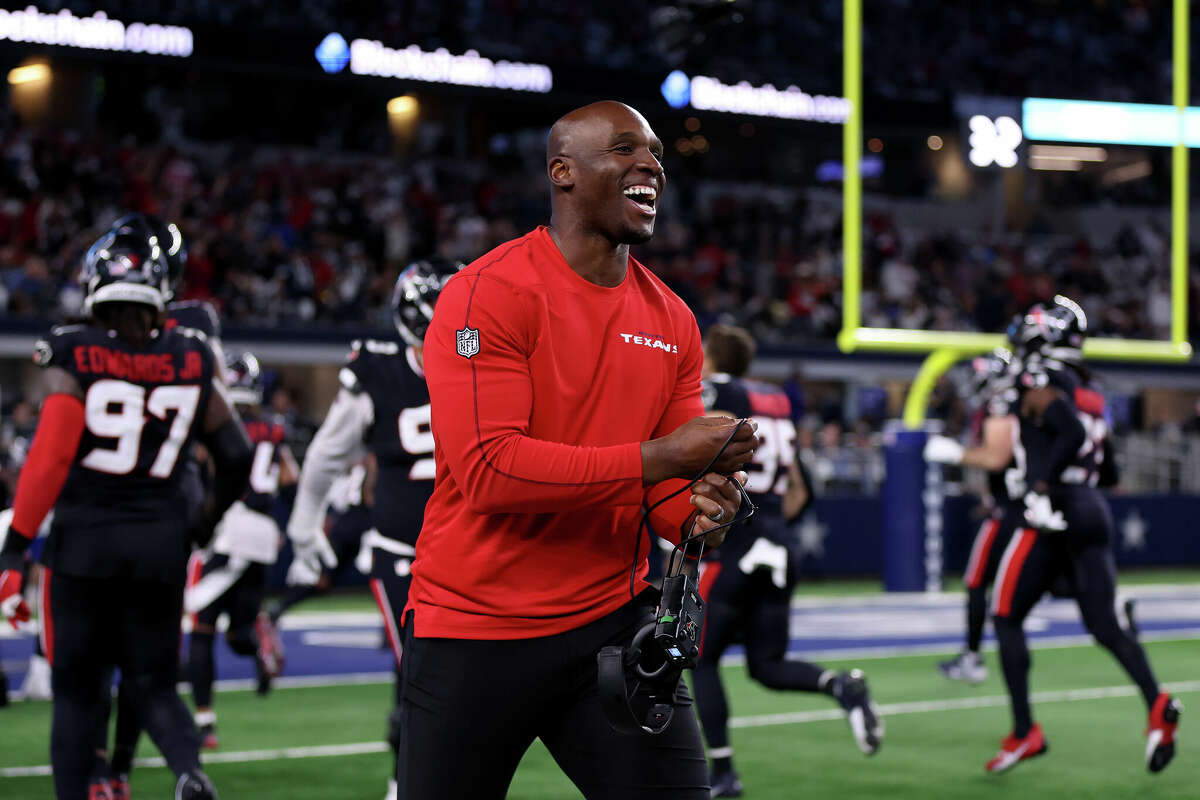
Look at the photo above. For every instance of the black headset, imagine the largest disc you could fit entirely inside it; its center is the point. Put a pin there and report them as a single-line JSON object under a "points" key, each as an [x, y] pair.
{"points": [[638, 683]]}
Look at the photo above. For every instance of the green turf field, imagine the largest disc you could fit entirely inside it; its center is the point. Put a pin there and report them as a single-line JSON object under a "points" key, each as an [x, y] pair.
{"points": [[938, 737]]}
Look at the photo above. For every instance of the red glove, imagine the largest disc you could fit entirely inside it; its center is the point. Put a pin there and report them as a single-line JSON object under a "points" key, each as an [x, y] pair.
{"points": [[12, 604]]}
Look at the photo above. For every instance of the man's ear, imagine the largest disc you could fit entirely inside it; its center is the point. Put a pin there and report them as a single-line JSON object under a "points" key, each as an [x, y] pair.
{"points": [[561, 172]]}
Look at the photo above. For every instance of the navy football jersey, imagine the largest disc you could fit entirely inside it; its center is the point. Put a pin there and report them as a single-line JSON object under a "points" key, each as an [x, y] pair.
{"points": [[1086, 402], [400, 435], [268, 432], [123, 510], [195, 314], [766, 404]]}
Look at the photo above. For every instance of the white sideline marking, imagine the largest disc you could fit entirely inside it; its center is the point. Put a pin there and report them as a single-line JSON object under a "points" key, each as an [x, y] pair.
{"points": [[936, 648], [762, 720], [243, 756], [957, 704]]}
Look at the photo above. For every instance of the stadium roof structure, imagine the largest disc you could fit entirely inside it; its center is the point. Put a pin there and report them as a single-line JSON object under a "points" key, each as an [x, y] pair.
{"points": [[945, 348]]}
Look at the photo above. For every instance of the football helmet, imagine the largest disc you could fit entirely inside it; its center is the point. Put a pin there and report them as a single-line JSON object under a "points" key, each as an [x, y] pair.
{"points": [[1053, 330], [989, 373], [244, 378], [416, 292], [169, 237], [125, 266]]}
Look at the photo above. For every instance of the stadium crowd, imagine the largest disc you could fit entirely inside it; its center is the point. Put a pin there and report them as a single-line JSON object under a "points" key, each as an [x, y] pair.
{"points": [[295, 238]]}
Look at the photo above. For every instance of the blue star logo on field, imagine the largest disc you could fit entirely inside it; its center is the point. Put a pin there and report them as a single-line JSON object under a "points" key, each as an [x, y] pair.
{"points": [[677, 89], [333, 53], [1133, 531], [812, 537]]}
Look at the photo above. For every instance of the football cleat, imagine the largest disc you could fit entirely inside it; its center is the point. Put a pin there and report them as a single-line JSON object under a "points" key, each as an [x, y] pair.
{"points": [[1014, 750], [966, 666], [1160, 731], [99, 789], [269, 658], [727, 784], [866, 721], [208, 737], [119, 787], [195, 785]]}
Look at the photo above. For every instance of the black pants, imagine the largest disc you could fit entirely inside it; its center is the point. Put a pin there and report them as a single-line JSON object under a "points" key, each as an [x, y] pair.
{"points": [[1034, 562], [91, 626], [470, 709], [745, 602], [242, 602], [390, 580], [987, 549]]}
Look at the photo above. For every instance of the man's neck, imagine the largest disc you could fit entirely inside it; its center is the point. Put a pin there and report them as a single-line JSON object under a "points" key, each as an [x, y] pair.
{"points": [[592, 256]]}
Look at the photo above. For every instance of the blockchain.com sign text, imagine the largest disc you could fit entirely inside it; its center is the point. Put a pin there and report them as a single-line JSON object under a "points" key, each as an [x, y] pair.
{"points": [[370, 57], [709, 94], [97, 32]]}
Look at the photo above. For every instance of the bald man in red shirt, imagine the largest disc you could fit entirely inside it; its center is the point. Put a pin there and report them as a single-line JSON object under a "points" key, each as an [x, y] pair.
{"points": [[564, 379]]}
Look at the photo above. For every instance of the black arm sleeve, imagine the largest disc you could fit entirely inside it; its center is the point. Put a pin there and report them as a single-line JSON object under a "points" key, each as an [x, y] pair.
{"points": [[233, 456], [1069, 436]]}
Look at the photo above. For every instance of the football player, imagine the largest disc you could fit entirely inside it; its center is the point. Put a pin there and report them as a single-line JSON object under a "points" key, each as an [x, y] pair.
{"points": [[195, 315], [1061, 457], [232, 578], [748, 582], [125, 400], [382, 407], [994, 394]]}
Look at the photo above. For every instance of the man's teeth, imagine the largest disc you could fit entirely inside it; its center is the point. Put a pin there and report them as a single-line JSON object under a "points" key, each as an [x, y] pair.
{"points": [[641, 193]]}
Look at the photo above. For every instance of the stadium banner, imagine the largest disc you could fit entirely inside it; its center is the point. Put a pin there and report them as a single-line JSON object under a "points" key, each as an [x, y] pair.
{"points": [[31, 25]]}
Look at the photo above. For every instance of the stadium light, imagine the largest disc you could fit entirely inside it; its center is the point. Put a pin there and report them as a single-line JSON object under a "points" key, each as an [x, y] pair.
{"points": [[30, 73], [404, 107]]}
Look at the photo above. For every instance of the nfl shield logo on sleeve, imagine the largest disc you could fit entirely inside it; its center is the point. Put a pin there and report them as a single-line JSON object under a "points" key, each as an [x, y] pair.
{"points": [[466, 342]]}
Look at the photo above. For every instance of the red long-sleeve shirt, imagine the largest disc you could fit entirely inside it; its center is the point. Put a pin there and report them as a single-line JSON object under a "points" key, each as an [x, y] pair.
{"points": [[543, 387]]}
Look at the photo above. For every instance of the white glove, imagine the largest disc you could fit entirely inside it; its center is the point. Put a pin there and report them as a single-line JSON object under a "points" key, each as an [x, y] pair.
{"points": [[309, 559], [943, 450], [1041, 515]]}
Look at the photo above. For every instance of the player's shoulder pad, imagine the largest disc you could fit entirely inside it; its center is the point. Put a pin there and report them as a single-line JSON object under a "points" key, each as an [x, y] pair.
{"points": [[199, 315], [52, 349], [720, 392]]}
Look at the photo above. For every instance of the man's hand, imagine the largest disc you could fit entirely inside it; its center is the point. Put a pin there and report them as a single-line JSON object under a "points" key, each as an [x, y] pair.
{"points": [[12, 604], [309, 559], [1041, 515], [718, 501], [943, 450], [688, 449]]}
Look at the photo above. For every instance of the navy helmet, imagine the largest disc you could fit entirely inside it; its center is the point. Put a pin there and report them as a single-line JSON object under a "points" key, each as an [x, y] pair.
{"points": [[125, 266], [169, 239], [244, 378], [416, 292], [1054, 330]]}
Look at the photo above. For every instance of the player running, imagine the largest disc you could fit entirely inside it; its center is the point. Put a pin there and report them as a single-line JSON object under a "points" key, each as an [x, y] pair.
{"points": [[995, 395], [1061, 456], [232, 578], [382, 407], [748, 582], [125, 399]]}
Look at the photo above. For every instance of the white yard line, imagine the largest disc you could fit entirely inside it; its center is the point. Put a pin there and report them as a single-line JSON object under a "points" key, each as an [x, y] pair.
{"points": [[759, 721], [957, 704]]}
